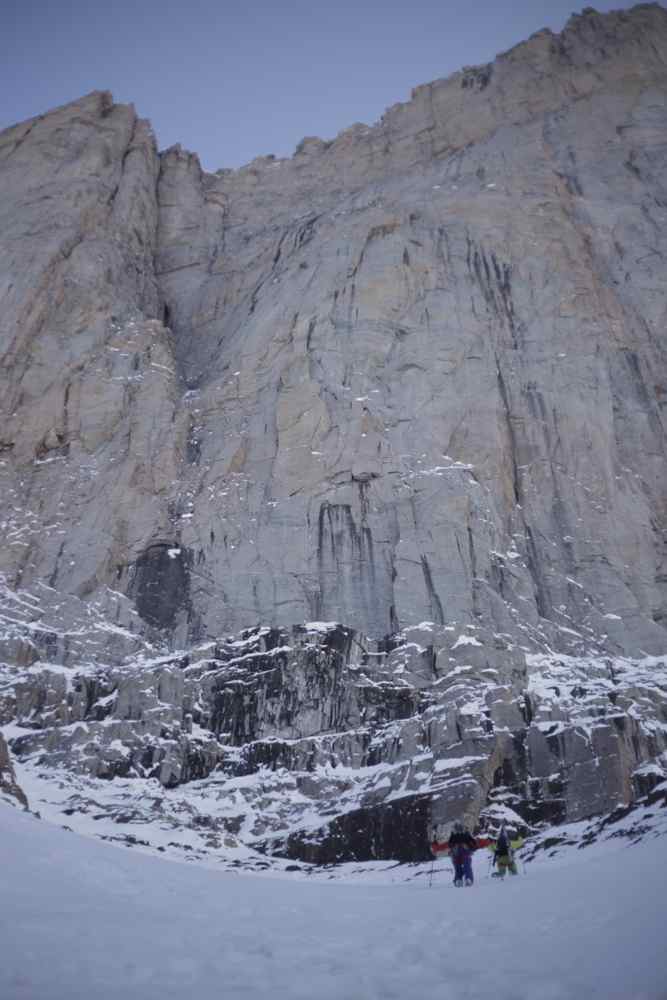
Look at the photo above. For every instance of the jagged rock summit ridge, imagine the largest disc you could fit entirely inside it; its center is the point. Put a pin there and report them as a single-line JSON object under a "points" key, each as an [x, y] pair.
{"points": [[411, 381]]}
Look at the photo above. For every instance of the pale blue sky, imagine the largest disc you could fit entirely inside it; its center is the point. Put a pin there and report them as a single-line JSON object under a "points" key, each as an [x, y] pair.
{"points": [[231, 79]]}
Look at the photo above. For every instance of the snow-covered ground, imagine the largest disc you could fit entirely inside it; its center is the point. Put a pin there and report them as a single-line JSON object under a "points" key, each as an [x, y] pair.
{"points": [[81, 919]]}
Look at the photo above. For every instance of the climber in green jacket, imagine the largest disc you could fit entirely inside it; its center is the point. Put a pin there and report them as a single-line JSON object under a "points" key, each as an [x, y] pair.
{"points": [[503, 855]]}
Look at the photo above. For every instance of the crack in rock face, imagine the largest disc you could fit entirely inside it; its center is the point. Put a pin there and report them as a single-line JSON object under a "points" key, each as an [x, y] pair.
{"points": [[408, 384]]}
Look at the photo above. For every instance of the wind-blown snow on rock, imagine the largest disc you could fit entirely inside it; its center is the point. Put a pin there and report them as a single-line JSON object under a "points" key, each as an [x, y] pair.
{"points": [[317, 744]]}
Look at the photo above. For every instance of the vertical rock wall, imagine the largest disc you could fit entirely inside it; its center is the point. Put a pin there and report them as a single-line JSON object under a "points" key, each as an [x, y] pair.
{"points": [[415, 373], [411, 380]]}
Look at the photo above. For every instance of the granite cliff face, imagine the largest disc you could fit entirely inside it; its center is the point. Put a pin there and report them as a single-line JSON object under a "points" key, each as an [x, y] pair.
{"points": [[411, 381]]}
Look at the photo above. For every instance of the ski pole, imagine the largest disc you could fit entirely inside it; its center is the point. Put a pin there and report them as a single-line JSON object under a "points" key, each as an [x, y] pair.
{"points": [[430, 878]]}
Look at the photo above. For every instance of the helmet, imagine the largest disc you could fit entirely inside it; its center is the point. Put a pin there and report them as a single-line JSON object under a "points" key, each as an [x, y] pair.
{"points": [[458, 826]]}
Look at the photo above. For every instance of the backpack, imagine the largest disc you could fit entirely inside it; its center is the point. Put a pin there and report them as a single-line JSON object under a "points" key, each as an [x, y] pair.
{"points": [[503, 844]]}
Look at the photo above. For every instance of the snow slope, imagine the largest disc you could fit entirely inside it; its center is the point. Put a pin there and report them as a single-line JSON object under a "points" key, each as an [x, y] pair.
{"points": [[82, 919]]}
